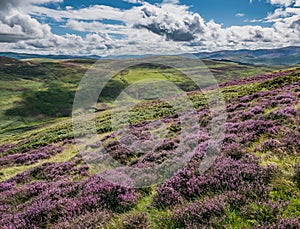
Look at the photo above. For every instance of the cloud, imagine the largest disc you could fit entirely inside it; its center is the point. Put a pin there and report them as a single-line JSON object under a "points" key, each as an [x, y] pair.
{"points": [[11, 37], [167, 28], [133, 1], [296, 25], [96, 26], [173, 22], [69, 7], [95, 12], [68, 44], [239, 15], [170, 2], [17, 25], [282, 2]]}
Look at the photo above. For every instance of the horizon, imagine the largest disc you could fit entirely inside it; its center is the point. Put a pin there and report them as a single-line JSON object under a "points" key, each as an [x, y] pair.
{"points": [[137, 27]]}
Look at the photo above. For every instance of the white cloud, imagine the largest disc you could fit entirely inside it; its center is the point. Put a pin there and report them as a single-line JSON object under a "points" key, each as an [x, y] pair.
{"points": [[171, 21], [166, 28], [133, 1], [240, 15], [282, 2], [19, 25], [96, 26], [69, 7], [96, 12], [170, 2]]}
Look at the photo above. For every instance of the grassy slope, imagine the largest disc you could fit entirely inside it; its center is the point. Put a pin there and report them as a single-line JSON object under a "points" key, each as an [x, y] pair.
{"points": [[28, 88], [46, 129], [42, 129]]}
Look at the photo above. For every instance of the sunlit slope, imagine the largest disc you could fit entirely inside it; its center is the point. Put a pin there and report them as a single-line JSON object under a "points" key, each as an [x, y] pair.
{"points": [[36, 91], [45, 182]]}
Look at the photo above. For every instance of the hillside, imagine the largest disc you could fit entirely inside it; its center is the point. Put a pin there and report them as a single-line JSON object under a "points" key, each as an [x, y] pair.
{"points": [[45, 183], [31, 90], [284, 56]]}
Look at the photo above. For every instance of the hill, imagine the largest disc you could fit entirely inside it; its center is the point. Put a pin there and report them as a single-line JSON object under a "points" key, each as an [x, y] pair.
{"points": [[31, 90], [283, 56], [45, 182], [286, 56]]}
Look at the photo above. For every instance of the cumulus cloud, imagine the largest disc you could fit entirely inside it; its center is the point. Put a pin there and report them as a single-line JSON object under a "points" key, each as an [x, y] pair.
{"points": [[17, 25], [296, 25], [96, 26], [69, 44], [281, 2], [95, 12], [11, 37], [173, 22], [167, 28]]}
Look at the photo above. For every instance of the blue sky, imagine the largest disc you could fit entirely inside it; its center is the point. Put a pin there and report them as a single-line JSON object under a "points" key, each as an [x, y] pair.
{"points": [[223, 12], [118, 27]]}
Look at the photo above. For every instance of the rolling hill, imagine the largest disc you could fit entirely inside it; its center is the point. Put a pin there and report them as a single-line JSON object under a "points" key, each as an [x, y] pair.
{"points": [[282, 56], [45, 182]]}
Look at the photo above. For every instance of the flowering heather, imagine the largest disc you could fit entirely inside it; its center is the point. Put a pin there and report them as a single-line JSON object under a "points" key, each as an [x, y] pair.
{"points": [[93, 219], [283, 223], [6, 147], [257, 79], [201, 213], [40, 204], [29, 156], [138, 221], [245, 176], [263, 212], [262, 118]]}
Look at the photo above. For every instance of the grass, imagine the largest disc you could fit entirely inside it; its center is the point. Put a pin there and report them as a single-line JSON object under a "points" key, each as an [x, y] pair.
{"points": [[42, 128], [236, 221], [22, 81], [158, 218], [67, 154], [145, 111]]}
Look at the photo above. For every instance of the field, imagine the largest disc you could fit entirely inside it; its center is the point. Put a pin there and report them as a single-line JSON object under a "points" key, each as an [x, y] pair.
{"points": [[45, 182]]}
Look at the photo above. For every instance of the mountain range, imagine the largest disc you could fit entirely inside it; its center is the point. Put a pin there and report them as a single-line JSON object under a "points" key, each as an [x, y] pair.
{"points": [[282, 56]]}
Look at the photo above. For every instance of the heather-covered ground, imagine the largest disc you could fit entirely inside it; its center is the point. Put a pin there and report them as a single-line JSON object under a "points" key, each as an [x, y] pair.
{"points": [[254, 183]]}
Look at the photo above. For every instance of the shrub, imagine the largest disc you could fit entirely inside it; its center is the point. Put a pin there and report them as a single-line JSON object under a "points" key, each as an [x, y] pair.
{"points": [[200, 213], [136, 221], [283, 223]]}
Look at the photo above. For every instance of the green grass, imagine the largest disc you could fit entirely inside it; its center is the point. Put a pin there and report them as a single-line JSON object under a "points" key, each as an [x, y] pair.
{"points": [[236, 221], [41, 127], [67, 154], [28, 97], [158, 218], [146, 111]]}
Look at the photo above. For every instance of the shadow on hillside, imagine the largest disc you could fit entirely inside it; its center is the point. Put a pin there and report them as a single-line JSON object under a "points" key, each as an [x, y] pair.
{"points": [[55, 101], [112, 90]]}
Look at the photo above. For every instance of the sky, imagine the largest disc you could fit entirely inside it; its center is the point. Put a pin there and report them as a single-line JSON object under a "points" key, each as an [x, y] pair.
{"points": [[137, 27]]}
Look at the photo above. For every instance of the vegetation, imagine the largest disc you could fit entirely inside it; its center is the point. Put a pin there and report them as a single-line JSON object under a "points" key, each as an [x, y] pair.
{"points": [[45, 183]]}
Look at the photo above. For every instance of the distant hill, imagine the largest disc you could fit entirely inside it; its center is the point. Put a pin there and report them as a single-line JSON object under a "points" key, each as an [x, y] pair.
{"points": [[282, 56], [33, 56]]}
